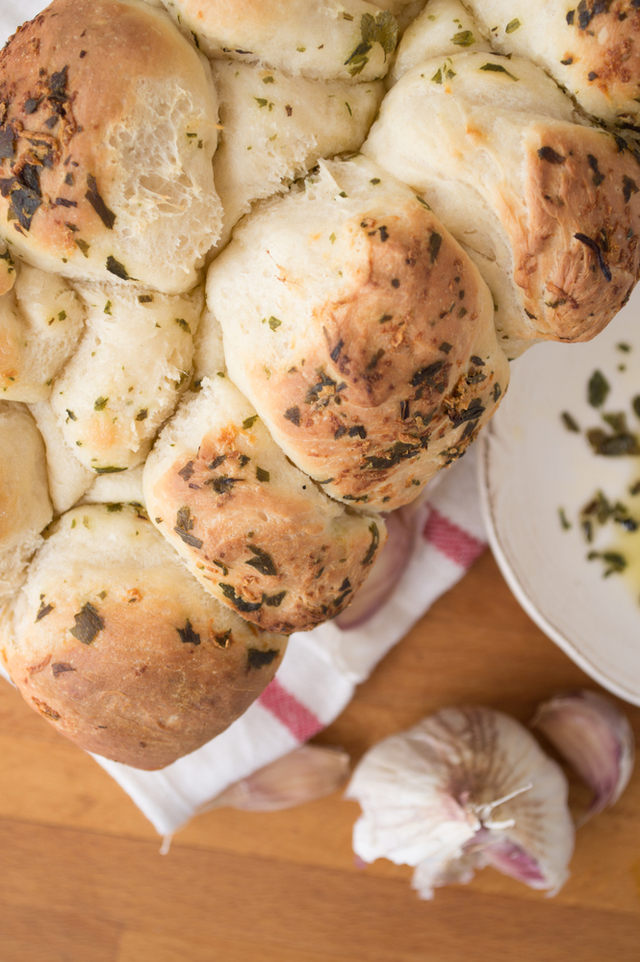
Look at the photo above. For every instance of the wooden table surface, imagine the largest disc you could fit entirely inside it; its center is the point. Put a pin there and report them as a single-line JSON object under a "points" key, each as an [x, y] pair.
{"points": [[82, 878]]}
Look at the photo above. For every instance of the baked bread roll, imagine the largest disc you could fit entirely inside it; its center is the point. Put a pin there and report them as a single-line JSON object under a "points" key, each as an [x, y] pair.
{"points": [[352, 40], [68, 478], [25, 508], [125, 379], [444, 28], [547, 207], [113, 642], [591, 48], [276, 128], [360, 331], [105, 156], [254, 530], [41, 321]]}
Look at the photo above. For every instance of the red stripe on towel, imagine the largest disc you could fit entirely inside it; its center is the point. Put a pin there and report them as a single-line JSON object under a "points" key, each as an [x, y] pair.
{"points": [[458, 545], [295, 716]]}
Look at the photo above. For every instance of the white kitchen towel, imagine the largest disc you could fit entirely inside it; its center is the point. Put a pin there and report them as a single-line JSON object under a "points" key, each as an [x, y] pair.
{"points": [[322, 667]]}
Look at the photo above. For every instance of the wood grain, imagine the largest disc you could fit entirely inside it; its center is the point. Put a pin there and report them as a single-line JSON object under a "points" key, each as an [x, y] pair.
{"points": [[83, 880]]}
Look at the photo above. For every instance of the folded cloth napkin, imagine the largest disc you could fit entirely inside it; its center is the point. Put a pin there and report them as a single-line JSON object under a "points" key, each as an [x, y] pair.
{"points": [[321, 667]]}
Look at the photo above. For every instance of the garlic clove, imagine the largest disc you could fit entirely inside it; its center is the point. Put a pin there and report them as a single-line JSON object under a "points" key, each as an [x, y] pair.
{"points": [[595, 738], [304, 775], [464, 788], [386, 571]]}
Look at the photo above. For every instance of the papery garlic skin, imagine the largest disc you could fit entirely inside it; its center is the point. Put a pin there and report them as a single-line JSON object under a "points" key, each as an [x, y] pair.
{"points": [[303, 775], [464, 788], [595, 738]]}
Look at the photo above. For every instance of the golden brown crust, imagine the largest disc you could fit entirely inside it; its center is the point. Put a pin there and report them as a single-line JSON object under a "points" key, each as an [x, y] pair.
{"points": [[575, 232], [134, 663], [65, 77], [256, 532], [604, 54], [397, 377]]}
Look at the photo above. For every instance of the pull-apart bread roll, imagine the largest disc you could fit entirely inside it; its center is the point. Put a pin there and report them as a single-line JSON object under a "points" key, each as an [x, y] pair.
{"points": [[127, 376], [113, 642], [277, 127], [360, 331], [443, 28], [41, 321], [591, 47], [107, 133], [25, 508], [258, 534], [323, 40], [547, 207]]}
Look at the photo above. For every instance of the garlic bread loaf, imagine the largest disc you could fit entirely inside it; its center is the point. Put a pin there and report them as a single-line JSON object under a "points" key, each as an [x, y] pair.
{"points": [[261, 277]]}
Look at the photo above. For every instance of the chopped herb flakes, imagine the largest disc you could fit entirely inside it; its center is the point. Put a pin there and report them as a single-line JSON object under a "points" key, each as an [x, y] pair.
{"points": [[237, 601], [373, 547], [262, 475], [256, 658], [497, 68], [382, 29], [463, 38], [512, 26], [107, 216], [115, 267], [598, 389], [87, 624], [570, 422], [187, 635], [614, 561], [262, 562]]}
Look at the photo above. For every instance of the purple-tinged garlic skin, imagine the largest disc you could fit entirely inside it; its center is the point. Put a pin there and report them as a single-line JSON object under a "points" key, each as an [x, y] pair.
{"points": [[594, 736], [465, 788]]}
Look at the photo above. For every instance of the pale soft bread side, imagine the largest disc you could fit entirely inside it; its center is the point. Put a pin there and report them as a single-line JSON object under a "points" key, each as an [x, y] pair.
{"points": [[360, 331], [444, 28], [277, 127], [68, 477], [41, 321], [591, 48], [324, 40], [113, 642], [124, 488], [25, 508], [125, 379], [492, 145], [255, 531], [107, 156]]}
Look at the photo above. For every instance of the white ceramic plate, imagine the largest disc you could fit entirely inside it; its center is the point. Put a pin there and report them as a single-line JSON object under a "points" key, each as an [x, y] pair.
{"points": [[531, 466]]}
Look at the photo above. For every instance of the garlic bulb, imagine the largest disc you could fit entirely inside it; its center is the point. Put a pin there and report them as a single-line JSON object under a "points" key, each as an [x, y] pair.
{"points": [[305, 774], [595, 737], [465, 788]]}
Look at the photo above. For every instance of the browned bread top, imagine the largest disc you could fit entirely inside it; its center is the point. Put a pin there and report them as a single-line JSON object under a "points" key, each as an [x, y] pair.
{"points": [[116, 644], [105, 157]]}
